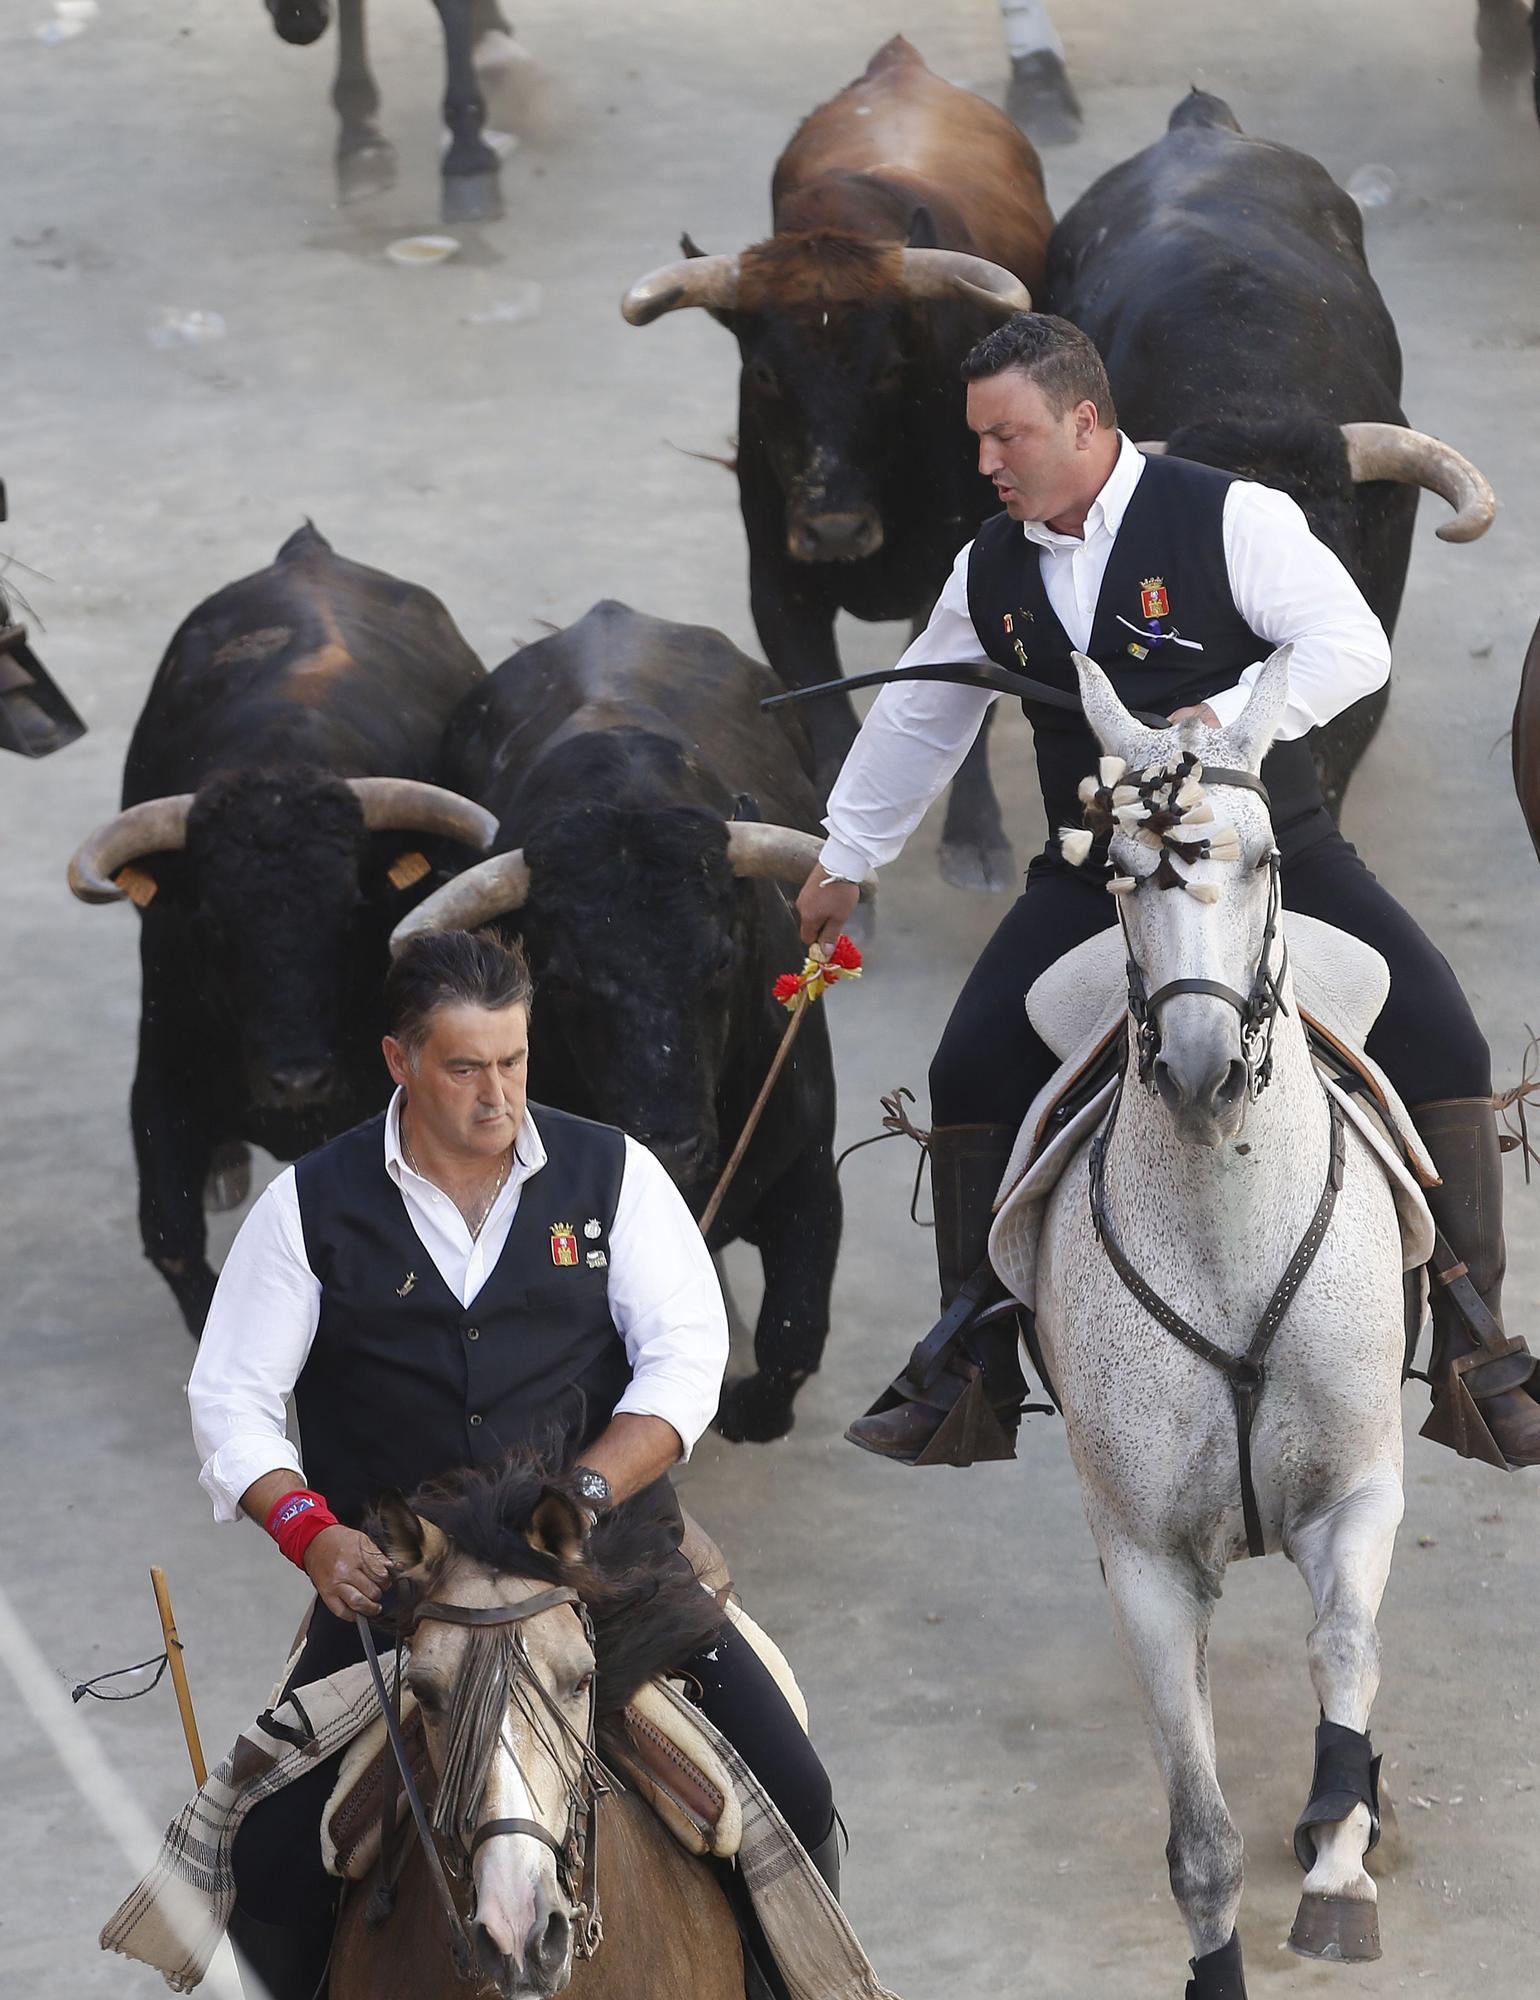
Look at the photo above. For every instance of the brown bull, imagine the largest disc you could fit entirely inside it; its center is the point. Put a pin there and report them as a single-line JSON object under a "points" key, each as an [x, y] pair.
{"points": [[909, 218]]}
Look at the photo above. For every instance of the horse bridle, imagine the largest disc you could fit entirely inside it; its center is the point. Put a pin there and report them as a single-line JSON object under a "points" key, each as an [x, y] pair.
{"points": [[577, 1852], [1258, 1009]]}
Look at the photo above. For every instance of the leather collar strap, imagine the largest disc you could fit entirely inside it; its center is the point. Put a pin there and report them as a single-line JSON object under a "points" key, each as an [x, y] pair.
{"points": [[493, 1614]]}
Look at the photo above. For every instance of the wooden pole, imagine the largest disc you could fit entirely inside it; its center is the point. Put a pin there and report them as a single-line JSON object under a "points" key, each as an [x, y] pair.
{"points": [[755, 1113], [178, 1674]]}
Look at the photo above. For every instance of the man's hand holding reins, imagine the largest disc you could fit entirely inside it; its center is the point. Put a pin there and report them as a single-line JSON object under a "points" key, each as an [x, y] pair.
{"points": [[348, 1570], [825, 906]]}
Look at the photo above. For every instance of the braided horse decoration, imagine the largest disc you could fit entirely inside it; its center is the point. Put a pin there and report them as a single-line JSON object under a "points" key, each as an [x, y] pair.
{"points": [[1190, 1450]]}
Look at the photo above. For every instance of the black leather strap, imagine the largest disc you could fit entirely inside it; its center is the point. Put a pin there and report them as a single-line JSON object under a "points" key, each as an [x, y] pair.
{"points": [[494, 1614]]}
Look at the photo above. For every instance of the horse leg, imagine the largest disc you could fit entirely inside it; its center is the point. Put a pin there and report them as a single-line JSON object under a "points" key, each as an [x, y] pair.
{"points": [[1344, 1556], [471, 192], [1161, 1607], [975, 853], [366, 160]]}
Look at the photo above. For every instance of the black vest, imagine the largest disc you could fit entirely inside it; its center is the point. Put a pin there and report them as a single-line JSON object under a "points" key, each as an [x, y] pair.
{"points": [[403, 1383], [1171, 542]]}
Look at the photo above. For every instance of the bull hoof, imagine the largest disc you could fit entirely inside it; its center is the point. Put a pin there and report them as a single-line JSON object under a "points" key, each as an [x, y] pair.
{"points": [[366, 169], [757, 1409], [1344, 1930], [229, 1178], [472, 197], [972, 864]]}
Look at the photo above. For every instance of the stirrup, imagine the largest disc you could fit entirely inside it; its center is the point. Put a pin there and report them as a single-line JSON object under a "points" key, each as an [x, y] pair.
{"points": [[1456, 1420]]}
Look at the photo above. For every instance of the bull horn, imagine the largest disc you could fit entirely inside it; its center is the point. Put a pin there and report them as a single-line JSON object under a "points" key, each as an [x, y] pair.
{"points": [[1392, 451], [407, 805], [949, 274], [694, 281], [158, 826], [495, 887], [778, 853]]}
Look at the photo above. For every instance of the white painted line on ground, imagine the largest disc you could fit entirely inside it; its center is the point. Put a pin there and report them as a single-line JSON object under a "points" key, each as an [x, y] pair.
{"points": [[104, 1793]]}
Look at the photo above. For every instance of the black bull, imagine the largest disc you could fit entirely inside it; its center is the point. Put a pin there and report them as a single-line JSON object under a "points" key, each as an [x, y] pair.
{"points": [[1224, 280], [640, 793], [277, 822]]}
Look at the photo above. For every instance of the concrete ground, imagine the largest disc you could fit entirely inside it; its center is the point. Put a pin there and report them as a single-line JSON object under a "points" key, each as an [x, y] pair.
{"points": [[1006, 1823]]}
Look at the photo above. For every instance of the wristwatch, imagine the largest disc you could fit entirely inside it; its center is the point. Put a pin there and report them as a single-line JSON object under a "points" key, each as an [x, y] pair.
{"points": [[593, 1488]]}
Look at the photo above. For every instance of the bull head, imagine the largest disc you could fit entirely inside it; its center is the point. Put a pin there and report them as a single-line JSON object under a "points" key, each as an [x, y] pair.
{"points": [[712, 282], [1413, 458]]}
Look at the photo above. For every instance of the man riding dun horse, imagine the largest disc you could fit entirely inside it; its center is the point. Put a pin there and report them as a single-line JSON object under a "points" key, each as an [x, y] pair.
{"points": [[460, 1275], [1178, 580]]}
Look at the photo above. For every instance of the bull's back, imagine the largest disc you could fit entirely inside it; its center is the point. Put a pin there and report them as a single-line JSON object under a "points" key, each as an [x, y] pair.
{"points": [[907, 128], [314, 659]]}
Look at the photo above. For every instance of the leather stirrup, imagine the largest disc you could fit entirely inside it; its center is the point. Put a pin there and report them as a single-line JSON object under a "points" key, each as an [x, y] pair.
{"points": [[970, 1432], [1456, 1420]]}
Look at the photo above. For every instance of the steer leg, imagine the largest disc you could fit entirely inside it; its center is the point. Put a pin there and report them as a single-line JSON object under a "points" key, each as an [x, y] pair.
{"points": [[366, 160], [796, 629], [796, 1229], [471, 190], [174, 1145], [1344, 1556], [975, 853], [1162, 1605]]}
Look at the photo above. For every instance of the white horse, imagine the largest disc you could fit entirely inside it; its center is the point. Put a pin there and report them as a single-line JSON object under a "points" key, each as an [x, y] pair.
{"points": [[1209, 1187]]}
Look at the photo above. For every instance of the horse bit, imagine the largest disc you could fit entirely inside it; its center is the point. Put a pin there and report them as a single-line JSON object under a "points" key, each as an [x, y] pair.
{"points": [[577, 1853], [1258, 1010]]}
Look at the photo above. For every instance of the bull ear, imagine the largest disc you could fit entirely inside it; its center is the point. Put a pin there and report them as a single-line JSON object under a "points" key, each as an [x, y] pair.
{"points": [[411, 1542], [1251, 734], [558, 1526], [922, 230], [746, 806]]}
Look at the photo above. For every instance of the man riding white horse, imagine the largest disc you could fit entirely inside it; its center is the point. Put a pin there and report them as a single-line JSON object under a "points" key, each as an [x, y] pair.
{"points": [[454, 1278], [1178, 580]]}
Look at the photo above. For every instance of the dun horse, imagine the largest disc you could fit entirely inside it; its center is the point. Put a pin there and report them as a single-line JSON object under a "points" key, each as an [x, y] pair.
{"points": [[1210, 1227], [515, 1697]]}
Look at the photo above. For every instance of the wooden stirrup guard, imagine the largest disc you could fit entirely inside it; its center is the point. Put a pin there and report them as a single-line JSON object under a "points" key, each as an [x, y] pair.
{"points": [[970, 1433], [1456, 1420]]}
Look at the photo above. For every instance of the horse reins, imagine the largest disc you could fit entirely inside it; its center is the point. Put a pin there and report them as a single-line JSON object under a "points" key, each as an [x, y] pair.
{"points": [[1246, 1373], [577, 1854]]}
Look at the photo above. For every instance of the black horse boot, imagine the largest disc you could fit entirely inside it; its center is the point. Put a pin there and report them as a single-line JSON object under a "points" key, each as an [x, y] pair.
{"points": [[282, 1961], [959, 1400], [1484, 1383], [1217, 1975]]}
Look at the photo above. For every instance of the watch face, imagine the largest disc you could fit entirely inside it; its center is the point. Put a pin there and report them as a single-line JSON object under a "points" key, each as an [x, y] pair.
{"points": [[593, 1485]]}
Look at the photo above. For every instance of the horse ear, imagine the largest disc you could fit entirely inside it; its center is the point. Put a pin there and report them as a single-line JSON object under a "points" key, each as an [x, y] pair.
{"points": [[558, 1526], [1252, 732], [1112, 725], [409, 1541]]}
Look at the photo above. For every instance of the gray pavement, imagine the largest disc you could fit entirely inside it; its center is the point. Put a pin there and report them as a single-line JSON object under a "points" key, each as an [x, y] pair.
{"points": [[1006, 1824]]}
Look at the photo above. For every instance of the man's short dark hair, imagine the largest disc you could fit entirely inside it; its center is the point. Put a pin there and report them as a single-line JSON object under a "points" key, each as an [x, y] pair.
{"points": [[452, 969], [1049, 351]]}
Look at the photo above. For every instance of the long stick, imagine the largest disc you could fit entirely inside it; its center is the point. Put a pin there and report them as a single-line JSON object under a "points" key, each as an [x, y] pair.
{"points": [[755, 1113], [178, 1674]]}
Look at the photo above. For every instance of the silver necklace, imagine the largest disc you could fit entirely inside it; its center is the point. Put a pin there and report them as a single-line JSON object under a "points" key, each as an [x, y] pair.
{"points": [[480, 1223]]}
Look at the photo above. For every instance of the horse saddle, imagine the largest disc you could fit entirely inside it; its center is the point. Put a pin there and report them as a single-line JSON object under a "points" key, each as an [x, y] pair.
{"points": [[1080, 1005]]}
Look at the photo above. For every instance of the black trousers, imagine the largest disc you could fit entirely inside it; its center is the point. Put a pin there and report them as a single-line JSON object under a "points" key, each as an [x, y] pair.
{"points": [[991, 1063], [279, 1878]]}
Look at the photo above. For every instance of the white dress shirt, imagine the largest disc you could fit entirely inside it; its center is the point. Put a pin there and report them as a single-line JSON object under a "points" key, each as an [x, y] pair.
{"points": [[663, 1296], [1286, 585]]}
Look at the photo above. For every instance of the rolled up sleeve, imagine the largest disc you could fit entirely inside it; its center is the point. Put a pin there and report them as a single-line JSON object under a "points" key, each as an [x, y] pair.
{"points": [[666, 1303], [255, 1341]]}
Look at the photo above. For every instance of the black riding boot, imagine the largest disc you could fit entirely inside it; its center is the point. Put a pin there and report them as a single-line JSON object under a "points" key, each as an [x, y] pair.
{"points": [[1484, 1383], [281, 1961], [959, 1400]]}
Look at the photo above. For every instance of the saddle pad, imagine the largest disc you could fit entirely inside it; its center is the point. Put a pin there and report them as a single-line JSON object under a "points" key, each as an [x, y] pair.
{"points": [[771, 1658], [350, 1825], [676, 1770]]}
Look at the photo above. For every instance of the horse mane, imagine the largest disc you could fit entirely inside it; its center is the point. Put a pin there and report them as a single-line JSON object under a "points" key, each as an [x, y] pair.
{"points": [[649, 1612]]}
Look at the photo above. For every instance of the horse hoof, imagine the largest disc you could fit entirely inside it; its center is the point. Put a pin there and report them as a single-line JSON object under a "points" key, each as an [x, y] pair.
{"points": [[970, 864], [1342, 1929], [229, 1178], [366, 169], [754, 1410], [471, 197]]}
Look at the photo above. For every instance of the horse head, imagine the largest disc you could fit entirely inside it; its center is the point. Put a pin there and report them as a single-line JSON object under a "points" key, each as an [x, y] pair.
{"points": [[1184, 810], [527, 1640]]}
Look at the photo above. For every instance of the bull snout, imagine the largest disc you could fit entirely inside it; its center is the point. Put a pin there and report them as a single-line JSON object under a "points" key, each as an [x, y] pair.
{"points": [[296, 1086], [1204, 1092], [300, 22], [834, 537], [683, 1160]]}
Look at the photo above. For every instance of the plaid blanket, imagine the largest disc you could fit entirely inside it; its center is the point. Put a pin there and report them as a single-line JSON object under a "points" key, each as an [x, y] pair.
{"points": [[176, 1916]]}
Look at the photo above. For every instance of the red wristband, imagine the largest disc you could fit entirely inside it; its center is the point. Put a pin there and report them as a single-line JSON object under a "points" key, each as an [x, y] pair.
{"points": [[297, 1519]]}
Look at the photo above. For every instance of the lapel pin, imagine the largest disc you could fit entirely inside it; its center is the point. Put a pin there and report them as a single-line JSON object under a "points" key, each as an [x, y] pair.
{"points": [[564, 1249], [411, 1280]]}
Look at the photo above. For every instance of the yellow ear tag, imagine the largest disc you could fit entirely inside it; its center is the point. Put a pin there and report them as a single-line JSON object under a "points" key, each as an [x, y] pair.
{"points": [[408, 869], [140, 889]]}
